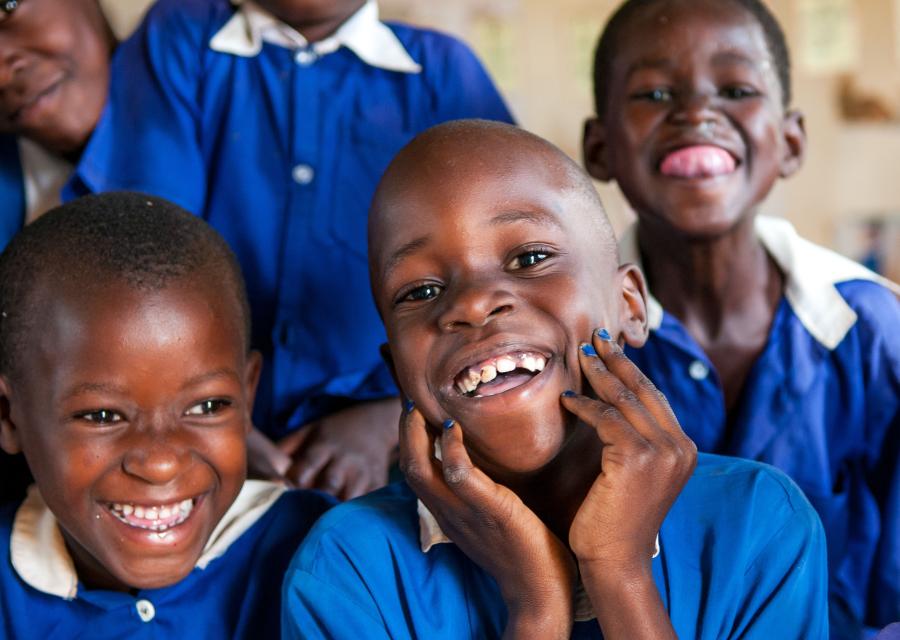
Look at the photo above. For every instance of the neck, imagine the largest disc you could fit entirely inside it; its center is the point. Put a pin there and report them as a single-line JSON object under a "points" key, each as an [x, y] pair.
{"points": [[556, 492], [316, 28], [705, 281]]}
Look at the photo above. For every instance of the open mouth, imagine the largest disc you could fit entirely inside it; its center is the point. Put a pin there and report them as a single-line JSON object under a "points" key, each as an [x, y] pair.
{"points": [[158, 518], [500, 373], [697, 162]]}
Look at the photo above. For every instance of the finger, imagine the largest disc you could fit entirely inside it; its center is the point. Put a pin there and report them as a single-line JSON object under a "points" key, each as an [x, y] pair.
{"points": [[308, 463], [417, 462], [652, 399], [611, 426], [264, 458], [611, 390], [294, 441], [459, 473], [360, 484]]}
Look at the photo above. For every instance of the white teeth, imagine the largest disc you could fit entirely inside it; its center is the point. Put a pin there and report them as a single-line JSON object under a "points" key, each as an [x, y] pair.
{"points": [[127, 509], [488, 373], [186, 505], [505, 365], [139, 512], [539, 363], [165, 513], [528, 363], [158, 518], [152, 513]]}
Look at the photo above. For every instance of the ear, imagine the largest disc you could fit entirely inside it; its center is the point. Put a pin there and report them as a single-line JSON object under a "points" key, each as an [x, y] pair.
{"points": [[594, 150], [252, 371], [794, 133], [633, 324], [9, 434]]}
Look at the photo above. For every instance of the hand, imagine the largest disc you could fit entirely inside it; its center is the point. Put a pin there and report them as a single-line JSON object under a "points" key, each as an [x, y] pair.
{"points": [[264, 459], [646, 461], [494, 528], [346, 453]]}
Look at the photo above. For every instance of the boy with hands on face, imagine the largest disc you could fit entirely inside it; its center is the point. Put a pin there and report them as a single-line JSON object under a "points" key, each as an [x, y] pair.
{"points": [[549, 489]]}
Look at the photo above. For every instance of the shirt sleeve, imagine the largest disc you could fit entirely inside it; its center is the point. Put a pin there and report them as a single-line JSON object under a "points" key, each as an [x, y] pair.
{"points": [[148, 136], [785, 592]]}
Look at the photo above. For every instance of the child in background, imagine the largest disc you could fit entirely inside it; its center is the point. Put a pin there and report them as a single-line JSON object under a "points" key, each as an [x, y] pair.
{"points": [[769, 348], [561, 500], [274, 120], [127, 380]]}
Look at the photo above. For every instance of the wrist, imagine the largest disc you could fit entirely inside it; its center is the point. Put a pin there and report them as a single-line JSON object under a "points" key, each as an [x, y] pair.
{"points": [[544, 620]]}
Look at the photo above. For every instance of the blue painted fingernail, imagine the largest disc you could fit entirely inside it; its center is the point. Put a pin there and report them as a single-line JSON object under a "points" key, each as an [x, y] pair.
{"points": [[588, 350], [410, 405], [448, 424], [569, 394], [603, 334]]}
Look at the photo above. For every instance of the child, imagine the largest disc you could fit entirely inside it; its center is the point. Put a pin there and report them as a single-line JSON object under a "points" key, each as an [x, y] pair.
{"points": [[769, 348], [274, 120], [492, 262], [127, 380]]}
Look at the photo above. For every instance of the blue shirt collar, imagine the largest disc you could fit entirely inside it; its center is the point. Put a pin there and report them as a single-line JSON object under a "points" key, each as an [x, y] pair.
{"points": [[363, 33], [811, 273]]}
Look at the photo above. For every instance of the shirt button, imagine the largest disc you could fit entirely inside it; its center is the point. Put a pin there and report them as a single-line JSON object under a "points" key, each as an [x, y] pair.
{"points": [[305, 57], [145, 610], [698, 370], [303, 174]]}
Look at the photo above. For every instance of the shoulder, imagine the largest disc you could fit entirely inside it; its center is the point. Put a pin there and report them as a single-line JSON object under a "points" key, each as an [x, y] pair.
{"points": [[432, 49], [745, 502], [197, 18], [877, 307]]}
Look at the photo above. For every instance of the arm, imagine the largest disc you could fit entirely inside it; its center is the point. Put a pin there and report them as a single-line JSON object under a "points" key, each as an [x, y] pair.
{"points": [[646, 462], [492, 526]]}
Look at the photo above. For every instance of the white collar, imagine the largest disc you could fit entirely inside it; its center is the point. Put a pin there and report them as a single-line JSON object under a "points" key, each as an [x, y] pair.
{"points": [[39, 555], [363, 33], [811, 273], [44, 175], [430, 534]]}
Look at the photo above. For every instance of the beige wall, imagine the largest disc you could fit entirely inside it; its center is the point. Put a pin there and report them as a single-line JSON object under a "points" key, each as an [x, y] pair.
{"points": [[540, 50]]}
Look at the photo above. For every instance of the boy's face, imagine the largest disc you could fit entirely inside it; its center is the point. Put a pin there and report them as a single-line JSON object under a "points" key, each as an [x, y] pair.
{"points": [[694, 130], [132, 410], [54, 71], [491, 265]]}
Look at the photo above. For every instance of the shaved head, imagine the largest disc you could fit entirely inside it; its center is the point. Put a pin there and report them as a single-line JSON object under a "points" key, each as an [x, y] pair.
{"points": [[467, 153]]}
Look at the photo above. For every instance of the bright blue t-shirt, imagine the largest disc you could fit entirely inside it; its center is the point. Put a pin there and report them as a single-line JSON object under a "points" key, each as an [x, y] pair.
{"points": [[237, 595], [281, 153], [742, 555], [823, 408]]}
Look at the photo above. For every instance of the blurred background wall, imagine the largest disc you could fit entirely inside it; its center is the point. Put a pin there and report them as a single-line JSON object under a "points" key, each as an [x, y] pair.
{"points": [[846, 58]]}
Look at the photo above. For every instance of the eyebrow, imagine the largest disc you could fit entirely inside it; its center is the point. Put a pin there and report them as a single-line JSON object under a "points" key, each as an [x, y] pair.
{"points": [[102, 387], [403, 252], [535, 217]]}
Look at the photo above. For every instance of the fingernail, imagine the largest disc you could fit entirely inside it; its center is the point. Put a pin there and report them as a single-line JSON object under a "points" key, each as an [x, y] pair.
{"points": [[588, 350], [448, 424], [569, 394], [603, 334], [410, 405]]}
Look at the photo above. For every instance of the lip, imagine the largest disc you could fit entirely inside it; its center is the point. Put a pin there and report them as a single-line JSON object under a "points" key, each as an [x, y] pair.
{"points": [[698, 142], [29, 109], [176, 535], [468, 357]]}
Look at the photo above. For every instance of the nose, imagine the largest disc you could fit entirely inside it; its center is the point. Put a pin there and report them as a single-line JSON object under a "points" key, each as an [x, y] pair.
{"points": [[694, 109], [156, 454], [475, 305]]}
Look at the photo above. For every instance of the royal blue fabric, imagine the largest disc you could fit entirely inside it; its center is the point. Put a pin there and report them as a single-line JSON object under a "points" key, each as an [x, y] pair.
{"points": [[236, 596], [12, 190], [742, 556], [221, 135], [830, 419]]}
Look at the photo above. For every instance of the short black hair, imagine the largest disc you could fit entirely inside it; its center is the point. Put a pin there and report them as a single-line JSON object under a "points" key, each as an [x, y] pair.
{"points": [[142, 241], [609, 40]]}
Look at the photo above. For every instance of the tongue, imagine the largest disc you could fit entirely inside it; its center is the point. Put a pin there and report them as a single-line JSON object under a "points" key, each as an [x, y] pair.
{"points": [[503, 382], [702, 161]]}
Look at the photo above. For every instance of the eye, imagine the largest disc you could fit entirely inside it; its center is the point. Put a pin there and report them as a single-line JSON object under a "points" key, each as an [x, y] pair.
{"points": [[658, 94], [101, 416], [528, 259], [208, 407], [422, 292], [738, 92]]}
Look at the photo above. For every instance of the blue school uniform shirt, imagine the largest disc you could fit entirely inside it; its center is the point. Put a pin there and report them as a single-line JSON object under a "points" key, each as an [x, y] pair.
{"points": [[279, 145], [234, 591], [742, 555], [822, 403]]}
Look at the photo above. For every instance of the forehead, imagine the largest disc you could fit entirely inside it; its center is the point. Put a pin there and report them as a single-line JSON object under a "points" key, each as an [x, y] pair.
{"points": [[487, 187], [661, 31]]}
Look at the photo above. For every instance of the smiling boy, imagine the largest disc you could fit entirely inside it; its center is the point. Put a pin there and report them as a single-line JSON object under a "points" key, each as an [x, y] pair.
{"points": [[127, 381], [767, 346], [558, 494]]}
